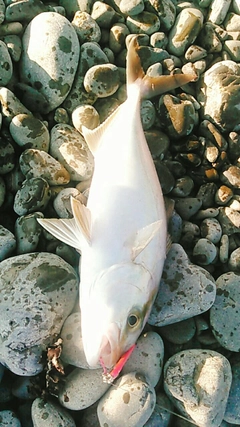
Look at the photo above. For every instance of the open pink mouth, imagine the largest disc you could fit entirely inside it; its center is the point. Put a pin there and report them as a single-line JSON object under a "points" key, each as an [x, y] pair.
{"points": [[109, 377]]}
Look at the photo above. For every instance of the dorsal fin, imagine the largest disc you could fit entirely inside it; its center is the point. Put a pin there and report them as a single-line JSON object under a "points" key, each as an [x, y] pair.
{"points": [[93, 137], [82, 216]]}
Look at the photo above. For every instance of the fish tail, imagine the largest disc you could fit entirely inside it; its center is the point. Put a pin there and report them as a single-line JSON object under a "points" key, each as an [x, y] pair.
{"points": [[151, 86]]}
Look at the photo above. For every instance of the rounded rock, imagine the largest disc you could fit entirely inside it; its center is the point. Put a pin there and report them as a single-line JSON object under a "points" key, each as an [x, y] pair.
{"points": [[131, 396], [204, 252], [224, 249], [86, 27], [188, 206], [28, 131], [8, 418], [222, 78], [7, 156], [7, 243], [176, 116], [147, 358], [218, 11], [183, 187], [62, 202], [132, 8], [71, 333], [230, 176], [85, 115], [224, 314], [145, 22], [6, 67], [180, 332], [202, 398], [185, 290], [32, 98], [232, 413], [229, 220], [50, 414], [211, 230], [70, 149], [117, 36], [102, 80], [37, 163], [11, 106], [234, 261], [185, 30], [82, 388], [38, 292], [34, 195], [14, 45], [52, 73], [27, 232], [104, 14], [158, 143], [148, 114], [223, 195]]}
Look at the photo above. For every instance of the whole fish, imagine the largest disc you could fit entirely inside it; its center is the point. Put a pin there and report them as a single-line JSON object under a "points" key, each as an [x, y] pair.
{"points": [[122, 231]]}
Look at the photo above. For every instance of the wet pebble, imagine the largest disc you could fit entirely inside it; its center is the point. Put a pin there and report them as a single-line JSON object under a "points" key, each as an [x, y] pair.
{"points": [[158, 142], [218, 11], [60, 44], [202, 398], [183, 187], [82, 388], [224, 314], [33, 195], [38, 292], [38, 163], [70, 149], [223, 195], [186, 290], [50, 414], [131, 396], [28, 131]]}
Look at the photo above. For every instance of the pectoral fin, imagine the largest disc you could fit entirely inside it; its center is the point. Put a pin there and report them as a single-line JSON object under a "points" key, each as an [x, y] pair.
{"points": [[63, 229], [82, 216], [144, 237]]}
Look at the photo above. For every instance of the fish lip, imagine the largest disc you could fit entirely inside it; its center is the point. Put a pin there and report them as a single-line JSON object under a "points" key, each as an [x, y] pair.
{"points": [[110, 349]]}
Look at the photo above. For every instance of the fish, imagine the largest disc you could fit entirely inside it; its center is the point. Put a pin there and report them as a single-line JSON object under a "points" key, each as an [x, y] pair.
{"points": [[121, 233]]}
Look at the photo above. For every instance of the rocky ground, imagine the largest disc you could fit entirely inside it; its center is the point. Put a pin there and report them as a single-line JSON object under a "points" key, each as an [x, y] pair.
{"points": [[62, 66]]}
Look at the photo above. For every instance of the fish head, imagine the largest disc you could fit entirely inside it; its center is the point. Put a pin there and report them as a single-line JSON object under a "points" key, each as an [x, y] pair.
{"points": [[115, 311]]}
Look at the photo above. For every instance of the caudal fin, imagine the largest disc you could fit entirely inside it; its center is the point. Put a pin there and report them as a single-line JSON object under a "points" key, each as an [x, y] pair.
{"points": [[151, 86]]}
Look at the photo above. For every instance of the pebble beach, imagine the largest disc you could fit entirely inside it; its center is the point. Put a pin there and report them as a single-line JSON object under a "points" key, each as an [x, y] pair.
{"points": [[62, 67]]}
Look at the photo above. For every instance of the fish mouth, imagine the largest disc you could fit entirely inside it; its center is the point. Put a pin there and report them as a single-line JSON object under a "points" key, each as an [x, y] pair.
{"points": [[110, 349]]}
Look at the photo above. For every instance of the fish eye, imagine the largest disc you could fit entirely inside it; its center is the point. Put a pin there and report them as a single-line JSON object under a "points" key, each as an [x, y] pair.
{"points": [[132, 320]]}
